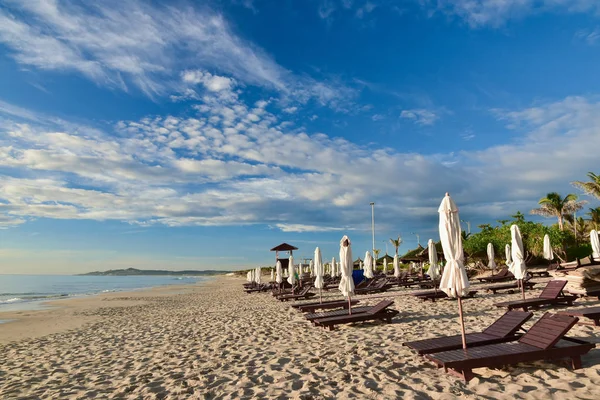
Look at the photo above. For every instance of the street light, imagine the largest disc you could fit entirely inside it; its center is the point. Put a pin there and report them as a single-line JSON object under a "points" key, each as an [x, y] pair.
{"points": [[373, 224], [418, 238], [468, 225]]}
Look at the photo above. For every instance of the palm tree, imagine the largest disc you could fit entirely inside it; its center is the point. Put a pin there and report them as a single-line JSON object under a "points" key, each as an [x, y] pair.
{"points": [[554, 205], [376, 252], [595, 217], [396, 243], [579, 226], [592, 187]]}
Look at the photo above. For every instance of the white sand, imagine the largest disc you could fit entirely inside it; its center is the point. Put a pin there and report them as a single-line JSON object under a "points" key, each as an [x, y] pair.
{"points": [[214, 341]]}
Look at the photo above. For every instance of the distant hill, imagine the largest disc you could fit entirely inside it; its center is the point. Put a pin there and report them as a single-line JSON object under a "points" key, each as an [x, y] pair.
{"points": [[134, 271]]}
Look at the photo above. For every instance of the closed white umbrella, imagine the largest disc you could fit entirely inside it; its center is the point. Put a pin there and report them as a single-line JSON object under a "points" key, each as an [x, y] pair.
{"points": [[368, 267], [286, 272], [253, 275], [249, 276], [519, 269], [385, 266], [434, 268], [278, 273], [318, 267], [595, 244], [346, 285], [291, 275], [374, 266], [257, 276], [312, 268], [272, 274], [396, 267], [333, 269], [548, 253], [454, 282], [491, 255], [507, 252]]}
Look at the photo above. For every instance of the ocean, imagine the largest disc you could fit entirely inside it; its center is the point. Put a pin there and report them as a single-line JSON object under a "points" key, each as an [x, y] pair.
{"points": [[20, 292]]}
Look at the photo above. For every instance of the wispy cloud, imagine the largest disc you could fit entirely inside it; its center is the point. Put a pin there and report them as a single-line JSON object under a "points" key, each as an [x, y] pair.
{"points": [[478, 13], [136, 44], [589, 36], [420, 116], [236, 163]]}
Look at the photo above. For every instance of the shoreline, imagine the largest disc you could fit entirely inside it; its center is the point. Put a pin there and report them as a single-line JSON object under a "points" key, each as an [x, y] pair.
{"points": [[54, 316], [42, 303]]}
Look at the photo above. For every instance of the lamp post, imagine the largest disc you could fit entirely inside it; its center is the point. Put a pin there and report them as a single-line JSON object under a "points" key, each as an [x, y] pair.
{"points": [[468, 225], [418, 238], [373, 225]]}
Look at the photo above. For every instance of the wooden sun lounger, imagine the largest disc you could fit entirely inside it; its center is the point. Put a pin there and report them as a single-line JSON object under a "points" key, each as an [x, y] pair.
{"points": [[436, 295], [326, 305], [504, 329], [303, 294], [551, 295], [379, 311], [592, 313], [260, 288], [509, 285], [540, 273], [355, 310], [544, 341], [503, 275], [380, 286]]}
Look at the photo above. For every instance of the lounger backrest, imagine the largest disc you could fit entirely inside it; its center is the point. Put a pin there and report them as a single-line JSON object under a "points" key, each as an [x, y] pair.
{"points": [[553, 289], [379, 307], [508, 324], [502, 273], [548, 330]]}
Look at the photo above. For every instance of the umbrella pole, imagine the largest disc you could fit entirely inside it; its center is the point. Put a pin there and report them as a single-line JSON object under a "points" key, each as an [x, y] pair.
{"points": [[349, 306], [462, 323], [523, 289], [320, 296]]}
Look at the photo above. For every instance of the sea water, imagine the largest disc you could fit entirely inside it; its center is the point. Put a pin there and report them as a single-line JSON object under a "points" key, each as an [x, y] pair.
{"points": [[25, 292]]}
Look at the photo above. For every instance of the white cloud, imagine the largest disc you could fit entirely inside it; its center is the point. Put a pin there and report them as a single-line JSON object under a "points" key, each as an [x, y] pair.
{"points": [[479, 13], [233, 163], [326, 8], [589, 36], [134, 43], [290, 110], [420, 116], [377, 117]]}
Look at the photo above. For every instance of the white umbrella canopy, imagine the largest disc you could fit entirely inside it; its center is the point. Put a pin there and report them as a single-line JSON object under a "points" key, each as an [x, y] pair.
{"points": [[517, 253], [507, 253], [312, 268], [278, 272], [333, 271], [368, 266], [519, 269], [396, 267], [257, 276], [272, 274], [491, 255], [595, 244], [291, 275], [434, 268], [318, 268], [249, 276], [548, 253], [346, 285], [385, 266], [454, 282]]}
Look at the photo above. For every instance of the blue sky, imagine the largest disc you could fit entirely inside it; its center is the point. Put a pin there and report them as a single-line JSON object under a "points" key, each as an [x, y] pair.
{"points": [[201, 134]]}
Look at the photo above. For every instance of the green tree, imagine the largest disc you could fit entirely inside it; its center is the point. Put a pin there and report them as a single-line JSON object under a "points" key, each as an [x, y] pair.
{"points": [[396, 243], [594, 217], [592, 187], [554, 205]]}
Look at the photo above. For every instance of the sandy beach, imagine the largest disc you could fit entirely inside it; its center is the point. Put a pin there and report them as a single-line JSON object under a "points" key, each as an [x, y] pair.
{"points": [[215, 341]]}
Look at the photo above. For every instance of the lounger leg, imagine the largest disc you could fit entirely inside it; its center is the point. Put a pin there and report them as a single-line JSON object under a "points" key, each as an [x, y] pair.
{"points": [[597, 320], [576, 362]]}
